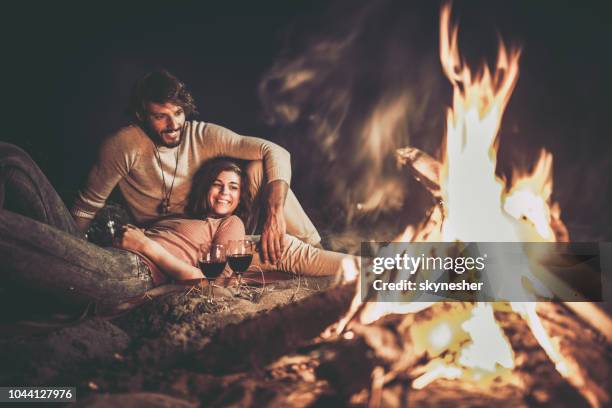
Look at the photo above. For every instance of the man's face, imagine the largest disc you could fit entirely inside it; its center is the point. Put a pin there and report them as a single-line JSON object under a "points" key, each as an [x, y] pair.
{"points": [[165, 123]]}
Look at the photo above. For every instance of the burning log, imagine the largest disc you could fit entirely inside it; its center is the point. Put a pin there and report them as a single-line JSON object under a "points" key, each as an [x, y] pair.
{"points": [[347, 366], [423, 167], [585, 351], [265, 337], [379, 376]]}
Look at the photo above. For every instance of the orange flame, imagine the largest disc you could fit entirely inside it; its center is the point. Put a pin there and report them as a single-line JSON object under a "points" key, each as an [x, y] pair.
{"points": [[471, 191]]}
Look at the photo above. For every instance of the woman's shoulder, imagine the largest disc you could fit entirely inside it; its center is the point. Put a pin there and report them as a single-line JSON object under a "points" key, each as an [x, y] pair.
{"points": [[173, 222], [232, 219], [233, 224]]}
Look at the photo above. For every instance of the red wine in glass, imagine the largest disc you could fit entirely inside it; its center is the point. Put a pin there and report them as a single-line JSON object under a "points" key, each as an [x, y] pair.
{"points": [[212, 263], [212, 270], [240, 263], [240, 256]]}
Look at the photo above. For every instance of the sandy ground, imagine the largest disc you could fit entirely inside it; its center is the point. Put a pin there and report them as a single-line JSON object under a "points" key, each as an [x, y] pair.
{"points": [[129, 352]]}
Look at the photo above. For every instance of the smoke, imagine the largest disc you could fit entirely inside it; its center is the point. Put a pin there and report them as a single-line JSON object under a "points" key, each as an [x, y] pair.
{"points": [[368, 82]]}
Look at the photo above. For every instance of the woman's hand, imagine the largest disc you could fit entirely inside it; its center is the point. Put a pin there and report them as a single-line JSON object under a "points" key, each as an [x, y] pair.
{"points": [[131, 238]]}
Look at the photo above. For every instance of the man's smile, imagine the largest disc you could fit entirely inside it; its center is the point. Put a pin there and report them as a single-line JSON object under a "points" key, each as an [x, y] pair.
{"points": [[172, 133]]}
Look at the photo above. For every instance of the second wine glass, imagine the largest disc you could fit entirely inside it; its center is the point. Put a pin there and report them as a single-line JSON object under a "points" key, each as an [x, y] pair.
{"points": [[240, 256]]}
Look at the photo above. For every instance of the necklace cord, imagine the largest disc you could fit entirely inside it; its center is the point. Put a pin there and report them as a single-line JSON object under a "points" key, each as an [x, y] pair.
{"points": [[166, 193]]}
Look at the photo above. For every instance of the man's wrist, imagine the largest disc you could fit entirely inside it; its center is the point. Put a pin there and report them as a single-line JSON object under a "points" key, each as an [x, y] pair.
{"points": [[276, 196], [275, 209]]}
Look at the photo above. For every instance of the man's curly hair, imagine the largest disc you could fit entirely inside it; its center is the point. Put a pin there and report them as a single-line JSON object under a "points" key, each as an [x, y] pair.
{"points": [[159, 87]]}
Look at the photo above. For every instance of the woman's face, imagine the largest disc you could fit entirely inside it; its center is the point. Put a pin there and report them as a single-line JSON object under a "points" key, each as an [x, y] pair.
{"points": [[224, 194]]}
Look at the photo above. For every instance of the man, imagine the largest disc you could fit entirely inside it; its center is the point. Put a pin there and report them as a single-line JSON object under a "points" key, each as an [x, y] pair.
{"points": [[153, 161]]}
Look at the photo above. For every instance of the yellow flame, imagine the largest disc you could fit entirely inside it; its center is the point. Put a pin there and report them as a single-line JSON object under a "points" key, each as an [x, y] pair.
{"points": [[485, 351], [528, 311], [471, 191], [528, 199]]}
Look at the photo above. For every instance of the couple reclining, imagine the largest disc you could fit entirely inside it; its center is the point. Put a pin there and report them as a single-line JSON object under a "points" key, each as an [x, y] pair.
{"points": [[43, 248], [153, 162], [172, 246]]}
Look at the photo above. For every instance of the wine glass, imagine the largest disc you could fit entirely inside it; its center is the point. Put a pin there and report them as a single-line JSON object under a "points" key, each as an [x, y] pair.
{"points": [[212, 264], [240, 256]]}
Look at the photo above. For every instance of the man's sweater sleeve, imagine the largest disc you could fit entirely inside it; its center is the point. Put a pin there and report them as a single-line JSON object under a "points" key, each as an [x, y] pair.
{"points": [[112, 165], [224, 142]]}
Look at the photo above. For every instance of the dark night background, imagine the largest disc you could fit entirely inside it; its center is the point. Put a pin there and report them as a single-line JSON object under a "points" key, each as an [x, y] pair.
{"points": [[68, 69]]}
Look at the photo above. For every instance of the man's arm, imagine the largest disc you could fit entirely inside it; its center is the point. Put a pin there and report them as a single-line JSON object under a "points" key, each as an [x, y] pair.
{"points": [[112, 165], [220, 141]]}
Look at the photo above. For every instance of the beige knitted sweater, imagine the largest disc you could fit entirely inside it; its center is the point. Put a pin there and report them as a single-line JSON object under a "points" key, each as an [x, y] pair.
{"points": [[128, 159]]}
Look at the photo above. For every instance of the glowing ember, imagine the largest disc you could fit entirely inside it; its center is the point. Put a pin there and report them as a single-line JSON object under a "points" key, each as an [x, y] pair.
{"points": [[440, 336], [485, 352]]}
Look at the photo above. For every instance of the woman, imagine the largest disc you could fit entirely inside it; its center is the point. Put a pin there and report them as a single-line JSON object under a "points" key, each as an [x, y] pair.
{"points": [[171, 247], [42, 250]]}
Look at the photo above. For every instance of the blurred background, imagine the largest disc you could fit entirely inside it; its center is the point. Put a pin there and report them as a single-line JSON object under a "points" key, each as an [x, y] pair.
{"points": [[314, 76]]}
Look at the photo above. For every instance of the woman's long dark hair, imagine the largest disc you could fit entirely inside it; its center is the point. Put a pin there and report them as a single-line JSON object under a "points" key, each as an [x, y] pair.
{"points": [[203, 179]]}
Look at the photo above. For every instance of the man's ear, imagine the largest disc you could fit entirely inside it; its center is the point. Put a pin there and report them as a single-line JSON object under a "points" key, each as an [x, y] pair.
{"points": [[139, 116]]}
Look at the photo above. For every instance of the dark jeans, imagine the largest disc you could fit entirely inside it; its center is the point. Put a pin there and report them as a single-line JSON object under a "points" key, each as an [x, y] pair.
{"points": [[41, 248]]}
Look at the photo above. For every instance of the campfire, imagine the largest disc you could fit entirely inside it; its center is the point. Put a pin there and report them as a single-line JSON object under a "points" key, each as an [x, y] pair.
{"points": [[466, 341]]}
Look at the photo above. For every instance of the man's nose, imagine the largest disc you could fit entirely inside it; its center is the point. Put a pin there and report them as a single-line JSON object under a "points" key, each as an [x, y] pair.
{"points": [[173, 123]]}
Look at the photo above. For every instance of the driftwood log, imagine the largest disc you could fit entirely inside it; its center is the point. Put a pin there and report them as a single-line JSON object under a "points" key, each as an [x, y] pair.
{"points": [[261, 339]]}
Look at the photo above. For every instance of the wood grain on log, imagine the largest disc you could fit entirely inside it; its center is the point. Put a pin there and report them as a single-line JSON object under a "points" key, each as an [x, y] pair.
{"points": [[265, 337]]}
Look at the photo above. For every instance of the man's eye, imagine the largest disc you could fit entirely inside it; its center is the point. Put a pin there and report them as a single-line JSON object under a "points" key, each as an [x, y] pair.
{"points": [[178, 113]]}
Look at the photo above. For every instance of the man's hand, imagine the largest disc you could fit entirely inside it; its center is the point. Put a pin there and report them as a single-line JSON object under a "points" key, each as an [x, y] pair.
{"points": [[273, 234], [273, 237], [131, 238]]}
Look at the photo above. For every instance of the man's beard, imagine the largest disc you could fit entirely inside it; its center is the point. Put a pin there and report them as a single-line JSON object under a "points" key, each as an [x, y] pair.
{"points": [[158, 139]]}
